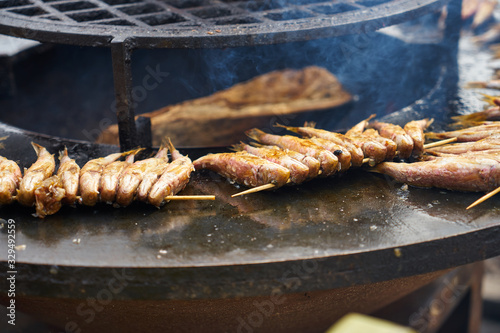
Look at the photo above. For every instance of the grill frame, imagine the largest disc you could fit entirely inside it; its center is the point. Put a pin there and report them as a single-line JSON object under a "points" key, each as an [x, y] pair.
{"points": [[198, 32]]}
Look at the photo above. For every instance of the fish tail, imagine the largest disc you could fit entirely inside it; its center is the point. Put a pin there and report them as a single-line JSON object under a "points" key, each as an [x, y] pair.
{"points": [[238, 147], [173, 151], [164, 142], [493, 100], [255, 134], [288, 128], [37, 147], [132, 152], [170, 145], [162, 151], [429, 122], [63, 153]]}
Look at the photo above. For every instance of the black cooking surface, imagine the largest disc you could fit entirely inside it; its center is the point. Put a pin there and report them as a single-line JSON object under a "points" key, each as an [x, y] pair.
{"points": [[354, 229], [201, 23], [342, 231]]}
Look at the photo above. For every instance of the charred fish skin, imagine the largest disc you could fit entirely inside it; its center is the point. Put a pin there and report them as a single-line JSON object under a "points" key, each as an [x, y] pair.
{"points": [[173, 179], [298, 171], [10, 177], [90, 178], [329, 162], [471, 173], [398, 135], [244, 168], [35, 175]]}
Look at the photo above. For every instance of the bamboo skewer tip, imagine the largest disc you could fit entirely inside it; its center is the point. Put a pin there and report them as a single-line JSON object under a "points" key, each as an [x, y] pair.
{"points": [[484, 198], [254, 189]]}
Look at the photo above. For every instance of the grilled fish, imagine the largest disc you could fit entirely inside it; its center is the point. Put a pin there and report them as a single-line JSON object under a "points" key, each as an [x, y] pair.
{"points": [[298, 171], [90, 177], [244, 168], [151, 176], [329, 162], [173, 179], [468, 173], [310, 162], [468, 134], [310, 132], [415, 129], [69, 173], [35, 175], [10, 177], [398, 135], [110, 178]]}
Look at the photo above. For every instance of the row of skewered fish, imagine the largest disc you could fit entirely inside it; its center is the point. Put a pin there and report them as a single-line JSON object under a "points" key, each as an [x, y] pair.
{"points": [[472, 164], [106, 179], [281, 159]]}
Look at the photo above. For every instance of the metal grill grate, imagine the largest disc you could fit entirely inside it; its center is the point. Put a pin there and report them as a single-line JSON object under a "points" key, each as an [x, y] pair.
{"points": [[213, 23]]}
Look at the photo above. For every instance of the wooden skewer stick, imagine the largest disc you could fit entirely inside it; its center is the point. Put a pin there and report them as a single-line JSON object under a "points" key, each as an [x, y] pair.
{"points": [[258, 189], [484, 198], [254, 189], [190, 197], [439, 143]]}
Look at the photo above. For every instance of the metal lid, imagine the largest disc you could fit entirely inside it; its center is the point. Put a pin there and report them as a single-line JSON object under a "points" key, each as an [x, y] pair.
{"points": [[200, 23]]}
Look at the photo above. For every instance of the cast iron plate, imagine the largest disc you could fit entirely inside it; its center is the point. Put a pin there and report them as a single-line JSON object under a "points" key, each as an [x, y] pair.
{"points": [[354, 229]]}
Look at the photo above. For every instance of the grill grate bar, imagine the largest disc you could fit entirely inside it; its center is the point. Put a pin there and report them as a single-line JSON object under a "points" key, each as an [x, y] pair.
{"points": [[182, 13], [119, 14], [51, 10]]}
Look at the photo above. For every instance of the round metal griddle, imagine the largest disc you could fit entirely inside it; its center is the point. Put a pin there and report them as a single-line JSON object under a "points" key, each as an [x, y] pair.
{"points": [[200, 23], [354, 229]]}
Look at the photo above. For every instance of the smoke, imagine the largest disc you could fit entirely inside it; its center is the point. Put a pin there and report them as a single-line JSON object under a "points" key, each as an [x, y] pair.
{"points": [[383, 72]]}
